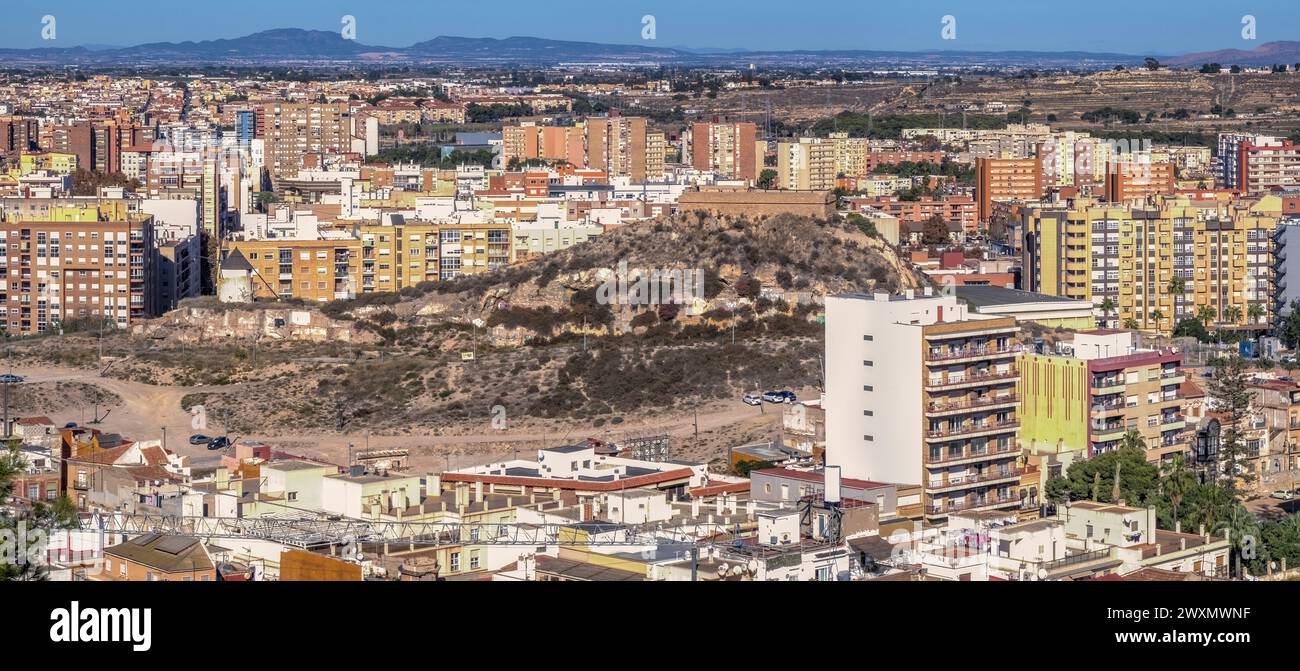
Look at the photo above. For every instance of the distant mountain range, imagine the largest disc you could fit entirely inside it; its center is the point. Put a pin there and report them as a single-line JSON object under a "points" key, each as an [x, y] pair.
{"points": [[320, 47], [1269, 53]]}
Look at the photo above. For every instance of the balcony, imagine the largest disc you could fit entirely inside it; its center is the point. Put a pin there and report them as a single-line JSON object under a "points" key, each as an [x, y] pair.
{"points": [[962, 353], [1107, 386], [972, 504], [1108, 433], [971, 455], [957, 381], [968, 480], [961, 406], [973, 429]]}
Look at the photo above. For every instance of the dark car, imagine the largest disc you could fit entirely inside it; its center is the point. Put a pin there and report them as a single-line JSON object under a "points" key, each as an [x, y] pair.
{"points": [[70, 425], [9, 378], [200, 439], [219, 443]]}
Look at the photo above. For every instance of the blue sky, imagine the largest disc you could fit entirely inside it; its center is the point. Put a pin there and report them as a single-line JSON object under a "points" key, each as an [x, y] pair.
{"points": [[1139, 27]]}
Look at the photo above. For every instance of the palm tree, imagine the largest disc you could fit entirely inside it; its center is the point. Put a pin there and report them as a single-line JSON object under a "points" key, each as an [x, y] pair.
{"points": [[1133, 439], [1107, 307], [1255, 311], [1176, 479], [1243, 530], [1206, 314], [1159, 316], [1209, 507], [1232, 314], [1131, 324], [1177, 286]]}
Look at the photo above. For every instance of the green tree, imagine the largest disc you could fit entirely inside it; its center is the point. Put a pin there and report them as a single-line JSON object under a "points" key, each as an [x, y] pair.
{"points": [[1232, 314], [1131, 324], [745, 467], [1176, 480], [1138, 481], [1107, 309], [1232, 395], [1151, 63], [1133, 440], [1289, 331], [935, 231], [1206, 315], [1177, 286], [1159, 316], [1256, 312], [62, 514], [767, 179], [1243, 531], [1192, 328]]}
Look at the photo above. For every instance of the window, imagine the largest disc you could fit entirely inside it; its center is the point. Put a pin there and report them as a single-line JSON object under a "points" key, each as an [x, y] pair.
{"points": [[122, 569], [869, 438], [473, 560], [293, 496], [868, 413], [868, 363], [455, 561], [867, 387], [868, 338]]}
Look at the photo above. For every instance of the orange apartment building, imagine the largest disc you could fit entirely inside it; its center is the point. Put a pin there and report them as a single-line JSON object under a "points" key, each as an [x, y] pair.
{"points": [[319, 270], [1005, 179], [53, 272], [1267, 166], [970, 416], [961, 209], [292, 130], [1132, 180], [729, 149], [620, 146]]}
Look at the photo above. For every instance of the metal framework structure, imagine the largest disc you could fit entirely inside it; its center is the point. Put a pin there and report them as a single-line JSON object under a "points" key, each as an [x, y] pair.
{"points": [[308, 532]]}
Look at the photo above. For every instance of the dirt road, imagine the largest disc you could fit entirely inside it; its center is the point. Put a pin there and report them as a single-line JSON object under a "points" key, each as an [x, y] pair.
{"points": [[148, 411]]}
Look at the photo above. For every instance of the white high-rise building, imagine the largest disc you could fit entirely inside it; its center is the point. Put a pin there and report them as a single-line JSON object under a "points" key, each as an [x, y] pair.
{"points": [[918, 391]]}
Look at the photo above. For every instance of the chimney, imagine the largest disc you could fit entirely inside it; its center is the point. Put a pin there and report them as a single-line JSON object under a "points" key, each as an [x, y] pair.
{"points": [[695, 507], [881, 296], [910, 294], [928, 291], [1159, 549], [1182, 543], [1178, 527]]}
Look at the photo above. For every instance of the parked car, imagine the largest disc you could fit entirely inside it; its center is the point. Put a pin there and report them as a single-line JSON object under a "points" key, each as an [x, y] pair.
{"points": [[219, 443], [8, 378], [779, 397], [1283, 494], [200, 439], [752, 399]]}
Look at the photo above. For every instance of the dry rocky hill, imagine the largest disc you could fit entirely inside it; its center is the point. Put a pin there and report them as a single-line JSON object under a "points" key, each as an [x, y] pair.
{"points": [[541, 343]]}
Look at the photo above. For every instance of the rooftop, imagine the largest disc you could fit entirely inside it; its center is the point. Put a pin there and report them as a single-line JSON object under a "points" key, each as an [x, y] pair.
{"points": [[984, 295]]}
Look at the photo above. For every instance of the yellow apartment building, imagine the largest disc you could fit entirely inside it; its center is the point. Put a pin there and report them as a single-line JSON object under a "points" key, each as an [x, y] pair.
{"points": [[1157, 263], [311, 269]]}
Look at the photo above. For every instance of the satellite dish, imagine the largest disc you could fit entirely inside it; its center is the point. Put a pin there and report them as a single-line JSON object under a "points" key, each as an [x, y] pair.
{"points": [[722, 570], [753, 567], [1042, 574]]}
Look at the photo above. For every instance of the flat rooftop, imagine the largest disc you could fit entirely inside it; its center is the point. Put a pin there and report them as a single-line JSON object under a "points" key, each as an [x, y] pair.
{"points": [[984, 295]]}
